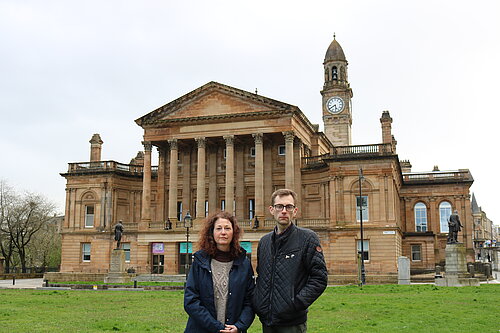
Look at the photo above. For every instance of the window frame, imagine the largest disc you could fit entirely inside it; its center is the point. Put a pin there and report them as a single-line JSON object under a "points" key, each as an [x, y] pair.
{"points": [[251, 208], [281, 150], [126, 247], [443, 223], [413, 252], [86, 252], [89, 217], [366, 249], [420, 216], [365, 209]]}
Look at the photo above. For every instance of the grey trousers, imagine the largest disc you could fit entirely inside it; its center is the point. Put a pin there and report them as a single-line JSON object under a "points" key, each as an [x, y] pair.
{"points": [[301, 328]]}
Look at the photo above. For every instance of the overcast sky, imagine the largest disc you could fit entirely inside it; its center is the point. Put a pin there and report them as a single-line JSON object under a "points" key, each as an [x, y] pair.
{"points": [[69, 69]]}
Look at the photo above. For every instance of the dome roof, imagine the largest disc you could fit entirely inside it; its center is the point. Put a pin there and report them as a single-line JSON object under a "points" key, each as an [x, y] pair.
{"points": [[334, 52]]}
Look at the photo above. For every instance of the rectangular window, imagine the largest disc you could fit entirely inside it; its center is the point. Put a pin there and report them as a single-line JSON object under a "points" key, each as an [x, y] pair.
{"points": [[85, 251], [416, 252], [223, 204], [251, 208], [206, 208], [126, 248], [252, 151], [366, 249], [281, 150], [89, 216], [363, 202], [179, 210], [225, 153]]}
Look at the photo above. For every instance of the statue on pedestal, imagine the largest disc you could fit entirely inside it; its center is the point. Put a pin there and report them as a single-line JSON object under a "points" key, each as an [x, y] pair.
{"points": [[454, 226], [118, 233]]}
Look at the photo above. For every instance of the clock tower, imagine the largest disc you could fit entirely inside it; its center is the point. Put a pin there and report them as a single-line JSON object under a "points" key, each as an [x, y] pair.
{"points": [[337, 94]]}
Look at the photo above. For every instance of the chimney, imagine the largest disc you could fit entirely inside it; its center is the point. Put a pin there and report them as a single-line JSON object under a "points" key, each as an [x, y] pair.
{"points": [[405, 166], [95, 148], [386, 122]]}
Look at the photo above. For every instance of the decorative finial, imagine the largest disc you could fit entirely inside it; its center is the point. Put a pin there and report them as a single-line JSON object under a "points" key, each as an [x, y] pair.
{"points": [[256, 91], [334, 35]]}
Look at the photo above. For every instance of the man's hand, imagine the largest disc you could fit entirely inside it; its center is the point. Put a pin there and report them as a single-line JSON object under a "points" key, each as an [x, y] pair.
{"points": [[230, 329]]}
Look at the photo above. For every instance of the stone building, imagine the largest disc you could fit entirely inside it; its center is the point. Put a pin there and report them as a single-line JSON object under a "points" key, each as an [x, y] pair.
{"points": [[222, 148]]}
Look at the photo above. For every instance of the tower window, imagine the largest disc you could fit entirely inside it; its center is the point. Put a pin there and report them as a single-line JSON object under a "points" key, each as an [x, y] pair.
{"points": [[334, 73], [420, 217]]}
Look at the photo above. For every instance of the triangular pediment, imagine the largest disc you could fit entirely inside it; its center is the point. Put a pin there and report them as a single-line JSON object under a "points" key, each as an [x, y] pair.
{"points": [[214, 101]]}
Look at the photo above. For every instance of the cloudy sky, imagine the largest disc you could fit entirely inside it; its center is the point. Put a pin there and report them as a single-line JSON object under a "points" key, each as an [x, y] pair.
{"points": [[69, 69]]}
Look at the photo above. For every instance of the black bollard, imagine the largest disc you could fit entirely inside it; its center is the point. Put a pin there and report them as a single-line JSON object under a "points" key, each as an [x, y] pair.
{"points": [[13, 280], [46, 283], [135, 283]]}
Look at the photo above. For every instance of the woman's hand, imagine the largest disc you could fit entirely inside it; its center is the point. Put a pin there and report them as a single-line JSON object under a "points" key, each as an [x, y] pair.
{"points": [[230, 329]]}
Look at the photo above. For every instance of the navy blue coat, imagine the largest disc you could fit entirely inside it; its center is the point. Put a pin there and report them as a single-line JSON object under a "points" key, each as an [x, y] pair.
{"points": [[199, 295]]}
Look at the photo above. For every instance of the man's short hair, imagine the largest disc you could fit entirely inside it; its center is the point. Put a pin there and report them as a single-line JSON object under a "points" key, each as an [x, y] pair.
{"points": [[283, 192]]}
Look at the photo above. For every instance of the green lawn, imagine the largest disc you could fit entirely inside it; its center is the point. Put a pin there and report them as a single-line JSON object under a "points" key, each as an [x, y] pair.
{"points": [[385, 308]]}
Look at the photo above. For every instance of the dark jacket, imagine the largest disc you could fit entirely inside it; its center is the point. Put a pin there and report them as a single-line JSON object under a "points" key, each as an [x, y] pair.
{"points": [[291, 276], [199, 295]]}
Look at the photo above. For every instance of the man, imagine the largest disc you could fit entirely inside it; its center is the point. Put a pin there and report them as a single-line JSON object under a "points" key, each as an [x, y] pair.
{"points": [[291, 270], [118, 233], [454, 226]]}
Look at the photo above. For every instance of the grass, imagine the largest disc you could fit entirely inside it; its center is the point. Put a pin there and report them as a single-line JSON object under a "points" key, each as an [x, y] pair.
{"points": [[142, 283], [384, 308]]}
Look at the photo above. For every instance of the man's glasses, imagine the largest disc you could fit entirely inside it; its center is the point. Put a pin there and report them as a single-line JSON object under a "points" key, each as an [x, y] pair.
{"points": [[280, 207]]}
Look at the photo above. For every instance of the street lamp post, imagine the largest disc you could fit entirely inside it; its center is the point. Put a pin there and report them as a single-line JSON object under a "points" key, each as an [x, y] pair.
{"points": [[188, 223], [363, 277]]}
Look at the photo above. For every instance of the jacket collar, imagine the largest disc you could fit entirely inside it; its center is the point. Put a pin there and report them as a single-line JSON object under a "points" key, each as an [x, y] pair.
{"points": [[285, 234], [204, 259]]}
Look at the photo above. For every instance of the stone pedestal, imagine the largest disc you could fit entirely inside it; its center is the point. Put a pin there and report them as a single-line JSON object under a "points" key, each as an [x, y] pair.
{"points": [[117, 273], [403, 270], [456, 274]]}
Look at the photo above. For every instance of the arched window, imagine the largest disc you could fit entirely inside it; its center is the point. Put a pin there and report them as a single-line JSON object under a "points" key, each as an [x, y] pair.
{"points": [[444, 214], [420, 217], [334, 73]]}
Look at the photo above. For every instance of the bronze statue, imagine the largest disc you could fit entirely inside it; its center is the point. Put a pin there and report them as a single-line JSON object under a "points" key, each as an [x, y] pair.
{"points": [[454, 226], [118, 233]]}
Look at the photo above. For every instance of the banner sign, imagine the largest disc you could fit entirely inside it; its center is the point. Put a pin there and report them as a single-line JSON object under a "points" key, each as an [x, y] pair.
{"points": [[158, 248]]}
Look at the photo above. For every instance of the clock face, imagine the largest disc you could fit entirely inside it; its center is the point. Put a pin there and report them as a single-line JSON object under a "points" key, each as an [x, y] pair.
{"points": [[335, 104]]}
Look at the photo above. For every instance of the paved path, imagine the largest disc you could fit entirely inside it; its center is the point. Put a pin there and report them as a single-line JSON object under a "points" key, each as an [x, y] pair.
{"points": [[35, 283], [21, 284]]}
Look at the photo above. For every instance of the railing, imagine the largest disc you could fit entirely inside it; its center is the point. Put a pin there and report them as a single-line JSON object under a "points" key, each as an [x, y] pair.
{"points": [[245, 224], [437, 176], [382, 149], [102, 166]]}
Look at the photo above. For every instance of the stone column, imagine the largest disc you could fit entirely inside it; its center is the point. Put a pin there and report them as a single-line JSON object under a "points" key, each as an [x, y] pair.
{"points": [[200, 179], [289, 169], [229, 173], [172, 182], [212, 180], [160, 187], [95, 148], [146, 187], [259, 175]]}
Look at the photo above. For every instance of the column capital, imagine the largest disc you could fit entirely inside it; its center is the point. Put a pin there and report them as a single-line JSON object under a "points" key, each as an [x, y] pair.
{"points": [[172, 143], [258, 137], [200, 141], [147, 146], [229, 140], [289, 136]]}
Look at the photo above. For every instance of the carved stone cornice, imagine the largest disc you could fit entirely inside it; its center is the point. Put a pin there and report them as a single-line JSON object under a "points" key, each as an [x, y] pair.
{"points": [[147, 146], [259, 138], [289, 136], [201, 142], [173, 144], [229, 140]]}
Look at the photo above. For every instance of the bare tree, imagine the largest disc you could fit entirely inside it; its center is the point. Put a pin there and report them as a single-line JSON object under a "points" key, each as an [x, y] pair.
{"points": [[22, 216]]}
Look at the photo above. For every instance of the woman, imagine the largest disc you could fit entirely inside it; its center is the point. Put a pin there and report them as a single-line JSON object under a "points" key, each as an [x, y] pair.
{"points": [[220, 284]]}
